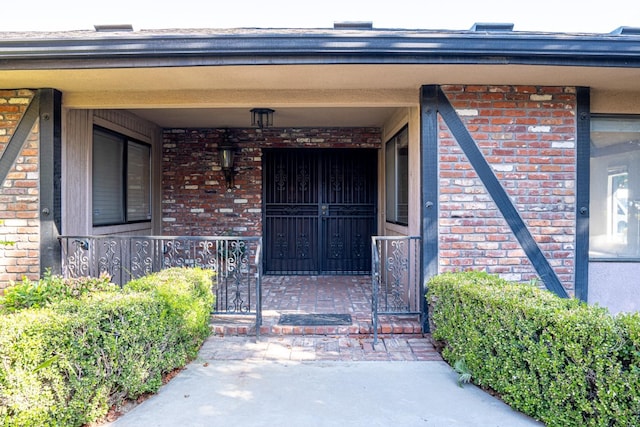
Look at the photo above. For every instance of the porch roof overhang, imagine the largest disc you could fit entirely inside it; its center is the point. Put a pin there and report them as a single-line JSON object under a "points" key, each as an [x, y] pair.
{"points": [[181, 77], [86, 50]]}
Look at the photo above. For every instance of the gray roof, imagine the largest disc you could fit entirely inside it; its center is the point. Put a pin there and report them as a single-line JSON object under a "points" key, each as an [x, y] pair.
{"points": [[245, 46]]}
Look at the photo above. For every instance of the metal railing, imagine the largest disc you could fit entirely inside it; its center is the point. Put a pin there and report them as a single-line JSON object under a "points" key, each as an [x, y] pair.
{"points": [[395, 276], [237, 262]]}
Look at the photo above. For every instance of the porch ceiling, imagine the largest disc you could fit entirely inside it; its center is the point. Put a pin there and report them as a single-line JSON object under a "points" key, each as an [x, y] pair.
{"points": [[302, 95]]}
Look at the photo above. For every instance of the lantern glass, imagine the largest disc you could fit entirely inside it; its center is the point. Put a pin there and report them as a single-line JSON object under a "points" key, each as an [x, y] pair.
{"points": [[226, 158]]}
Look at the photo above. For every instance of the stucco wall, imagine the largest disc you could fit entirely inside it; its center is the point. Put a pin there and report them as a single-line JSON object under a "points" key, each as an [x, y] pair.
{"points": [[528, 136], [615, 285], [19, 195]]}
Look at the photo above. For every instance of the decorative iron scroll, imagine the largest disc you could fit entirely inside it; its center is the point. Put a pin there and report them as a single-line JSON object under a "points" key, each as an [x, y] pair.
{"points": [[398, 266], [395, 275], [235, 260], [141, 261], [77, 259], [359, 246], [336, 246], [303, 246]]}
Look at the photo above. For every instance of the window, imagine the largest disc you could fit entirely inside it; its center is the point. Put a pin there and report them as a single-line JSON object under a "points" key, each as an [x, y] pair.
{"points": [[614, 225], [121, 179], [397, 178]]}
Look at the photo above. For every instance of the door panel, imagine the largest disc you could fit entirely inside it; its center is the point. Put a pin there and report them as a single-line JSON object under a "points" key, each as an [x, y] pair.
{"points": [[348, 197], [320, 211], [290, 241]]}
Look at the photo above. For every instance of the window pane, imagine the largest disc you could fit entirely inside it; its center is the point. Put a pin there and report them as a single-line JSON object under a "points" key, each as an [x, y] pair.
{"points": [[397, 178], [138, 182], [108, 206], [403, 178], [390, 180], [614, 229]]}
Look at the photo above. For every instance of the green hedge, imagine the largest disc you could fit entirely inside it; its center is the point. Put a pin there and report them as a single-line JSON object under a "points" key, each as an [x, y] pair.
{"points": [[557, 360], [49, 289], [67, 363]]}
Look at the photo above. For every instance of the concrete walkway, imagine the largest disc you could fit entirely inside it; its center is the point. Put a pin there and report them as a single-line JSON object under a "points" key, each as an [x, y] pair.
{"points": [[318, 381]]}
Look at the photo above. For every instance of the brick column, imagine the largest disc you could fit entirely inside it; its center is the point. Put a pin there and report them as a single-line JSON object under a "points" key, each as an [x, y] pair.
{"points": [[19, 195]]}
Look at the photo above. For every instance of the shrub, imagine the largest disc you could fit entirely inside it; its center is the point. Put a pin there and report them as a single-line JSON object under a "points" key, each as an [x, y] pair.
{"points": [[35, 377], [51, 288], [188, 302], [558, 360], [67, 363]]}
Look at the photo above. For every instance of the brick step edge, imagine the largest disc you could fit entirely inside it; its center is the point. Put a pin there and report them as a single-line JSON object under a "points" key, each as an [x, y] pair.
{"points": [[404, 328]]}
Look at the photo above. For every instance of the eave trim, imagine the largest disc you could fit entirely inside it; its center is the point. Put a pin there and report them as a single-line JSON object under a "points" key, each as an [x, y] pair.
{"points": [[138, 50]]}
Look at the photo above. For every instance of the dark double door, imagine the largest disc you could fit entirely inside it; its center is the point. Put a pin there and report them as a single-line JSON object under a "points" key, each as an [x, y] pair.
{"points": [[320, 210]]}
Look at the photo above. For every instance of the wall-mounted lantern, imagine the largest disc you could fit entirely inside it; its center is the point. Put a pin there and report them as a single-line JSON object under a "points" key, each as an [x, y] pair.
{"points": [[262, 117], [227, 152]]}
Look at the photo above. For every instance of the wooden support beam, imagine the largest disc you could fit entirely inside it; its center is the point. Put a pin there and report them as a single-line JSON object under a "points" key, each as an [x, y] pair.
{"points": [[583, 142]]}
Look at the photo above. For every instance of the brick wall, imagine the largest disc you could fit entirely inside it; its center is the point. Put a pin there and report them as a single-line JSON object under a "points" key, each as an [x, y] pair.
{"points": [[195, 200], [19, 195], [527, 135]]}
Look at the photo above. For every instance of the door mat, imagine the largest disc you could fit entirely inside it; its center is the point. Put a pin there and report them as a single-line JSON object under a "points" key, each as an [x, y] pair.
{"points": [[315, 319]]}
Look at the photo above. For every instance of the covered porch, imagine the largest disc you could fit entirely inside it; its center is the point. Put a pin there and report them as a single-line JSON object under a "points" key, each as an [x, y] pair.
{"points": [[389, 299], [283, 295]]}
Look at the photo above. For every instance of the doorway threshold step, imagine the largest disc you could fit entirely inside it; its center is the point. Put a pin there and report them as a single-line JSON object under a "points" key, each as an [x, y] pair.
{"points": [[245, 325]]}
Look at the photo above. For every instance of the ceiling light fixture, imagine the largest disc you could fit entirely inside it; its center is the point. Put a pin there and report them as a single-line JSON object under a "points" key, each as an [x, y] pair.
{"points": [[262, 117]]}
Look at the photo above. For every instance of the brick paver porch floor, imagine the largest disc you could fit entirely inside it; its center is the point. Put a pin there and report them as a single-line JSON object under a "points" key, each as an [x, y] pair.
{"points": [[400, 338], [312, 348], [316, 294]]}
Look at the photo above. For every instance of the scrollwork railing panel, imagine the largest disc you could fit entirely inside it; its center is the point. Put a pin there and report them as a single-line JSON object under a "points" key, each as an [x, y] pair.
{"points": [[236, 261], [395, 276]]}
